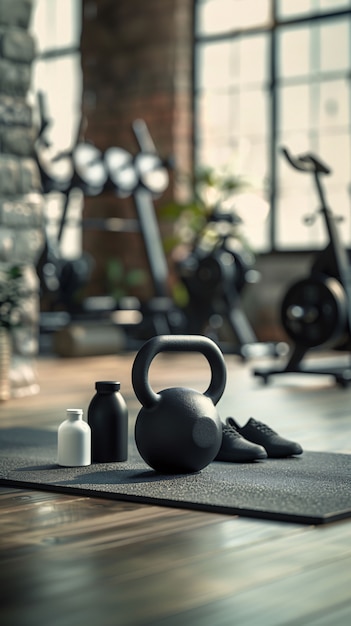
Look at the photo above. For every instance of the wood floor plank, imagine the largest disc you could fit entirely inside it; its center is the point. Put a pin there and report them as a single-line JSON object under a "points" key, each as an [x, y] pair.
{"points": [[73, 560], [279, 602]]}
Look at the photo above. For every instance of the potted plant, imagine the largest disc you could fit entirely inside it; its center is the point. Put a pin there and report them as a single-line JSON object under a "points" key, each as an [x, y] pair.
{"points": [[12, 293], [212, 191]]}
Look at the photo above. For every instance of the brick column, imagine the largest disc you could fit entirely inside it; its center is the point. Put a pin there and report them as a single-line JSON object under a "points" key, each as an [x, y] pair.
{"points": [[21, 202], [137, 63]]}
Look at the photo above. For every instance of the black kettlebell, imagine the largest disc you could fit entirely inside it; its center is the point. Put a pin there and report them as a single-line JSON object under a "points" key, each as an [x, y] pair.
{"points": [[178, 430]]}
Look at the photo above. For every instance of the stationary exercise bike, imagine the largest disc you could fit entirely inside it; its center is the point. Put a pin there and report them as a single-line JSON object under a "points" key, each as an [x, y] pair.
{"points": [[316, 310], [215, 274]]}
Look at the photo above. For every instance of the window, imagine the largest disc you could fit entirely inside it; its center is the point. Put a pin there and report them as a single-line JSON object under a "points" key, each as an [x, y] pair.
{"points": [[56, 27], [270, 74]]}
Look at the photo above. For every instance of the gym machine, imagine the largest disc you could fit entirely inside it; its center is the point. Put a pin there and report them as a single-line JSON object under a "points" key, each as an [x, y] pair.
{"points": [[316, 310], [214, 277], [215, 274], [142, 177]]}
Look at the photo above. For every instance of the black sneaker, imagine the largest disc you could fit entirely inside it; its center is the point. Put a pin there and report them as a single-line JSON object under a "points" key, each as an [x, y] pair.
{"points": [[261, 434], [236, 449]]}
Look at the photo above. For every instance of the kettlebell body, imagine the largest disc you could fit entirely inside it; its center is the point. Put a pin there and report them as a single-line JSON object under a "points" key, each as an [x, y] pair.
{"points": [[178, 430]]}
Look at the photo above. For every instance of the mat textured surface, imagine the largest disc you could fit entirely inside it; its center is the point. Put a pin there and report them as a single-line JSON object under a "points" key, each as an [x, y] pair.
{"points": [[314, 488]]}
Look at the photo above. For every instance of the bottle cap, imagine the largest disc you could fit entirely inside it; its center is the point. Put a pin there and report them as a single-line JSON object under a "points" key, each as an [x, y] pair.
{"points": [[77, 413], [107, 386]]}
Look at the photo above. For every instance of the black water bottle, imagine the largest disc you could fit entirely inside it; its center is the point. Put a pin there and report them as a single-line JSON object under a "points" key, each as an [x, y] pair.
{"points": [[108, 421]]}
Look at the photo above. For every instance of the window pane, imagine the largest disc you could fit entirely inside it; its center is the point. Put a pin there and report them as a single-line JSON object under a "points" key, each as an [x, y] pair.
{"points": [[300, 8], [253, 112], [336, 152], [294, 8], [214, 66], [252, 161], [339, 201], [214, 113], [292, 230], [295, 200], [334, 105], [294, 45], [333, 5], [253, 59], [335, 46], [63, 106], [294, 107], [56, 23], [253, 209], [214, 152], [216, 16]]}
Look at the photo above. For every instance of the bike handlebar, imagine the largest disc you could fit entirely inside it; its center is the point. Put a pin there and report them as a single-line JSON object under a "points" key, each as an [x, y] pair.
{"points": [[306, 163]]}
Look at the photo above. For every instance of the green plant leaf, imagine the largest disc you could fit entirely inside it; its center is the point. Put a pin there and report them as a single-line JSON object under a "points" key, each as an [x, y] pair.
{"points": [[114, 270], [135, 277]]}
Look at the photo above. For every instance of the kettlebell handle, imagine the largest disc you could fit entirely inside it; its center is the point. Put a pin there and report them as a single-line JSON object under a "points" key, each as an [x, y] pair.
{"points": [[177, 343]]}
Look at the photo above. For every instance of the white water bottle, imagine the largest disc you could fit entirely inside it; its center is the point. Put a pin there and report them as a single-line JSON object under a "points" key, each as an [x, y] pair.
{"points": [[74, 440]]}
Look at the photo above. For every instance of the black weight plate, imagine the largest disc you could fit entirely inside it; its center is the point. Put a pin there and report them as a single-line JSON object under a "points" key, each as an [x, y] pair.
{"points": [[314, 311]]}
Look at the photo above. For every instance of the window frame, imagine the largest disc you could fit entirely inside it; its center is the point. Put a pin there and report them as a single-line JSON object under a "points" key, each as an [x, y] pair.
{"points": [[273, 29]]}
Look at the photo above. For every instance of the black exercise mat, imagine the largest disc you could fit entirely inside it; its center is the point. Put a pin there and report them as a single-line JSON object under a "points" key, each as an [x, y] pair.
{"points": [[312, 488]]}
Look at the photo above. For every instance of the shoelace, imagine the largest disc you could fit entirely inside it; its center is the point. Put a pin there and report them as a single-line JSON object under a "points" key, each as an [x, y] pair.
{"points": [[263, 428], [231, 432]]}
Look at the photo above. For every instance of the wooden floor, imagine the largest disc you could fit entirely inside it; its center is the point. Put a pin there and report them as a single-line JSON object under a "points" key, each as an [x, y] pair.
{"points": [[69, 560]]}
